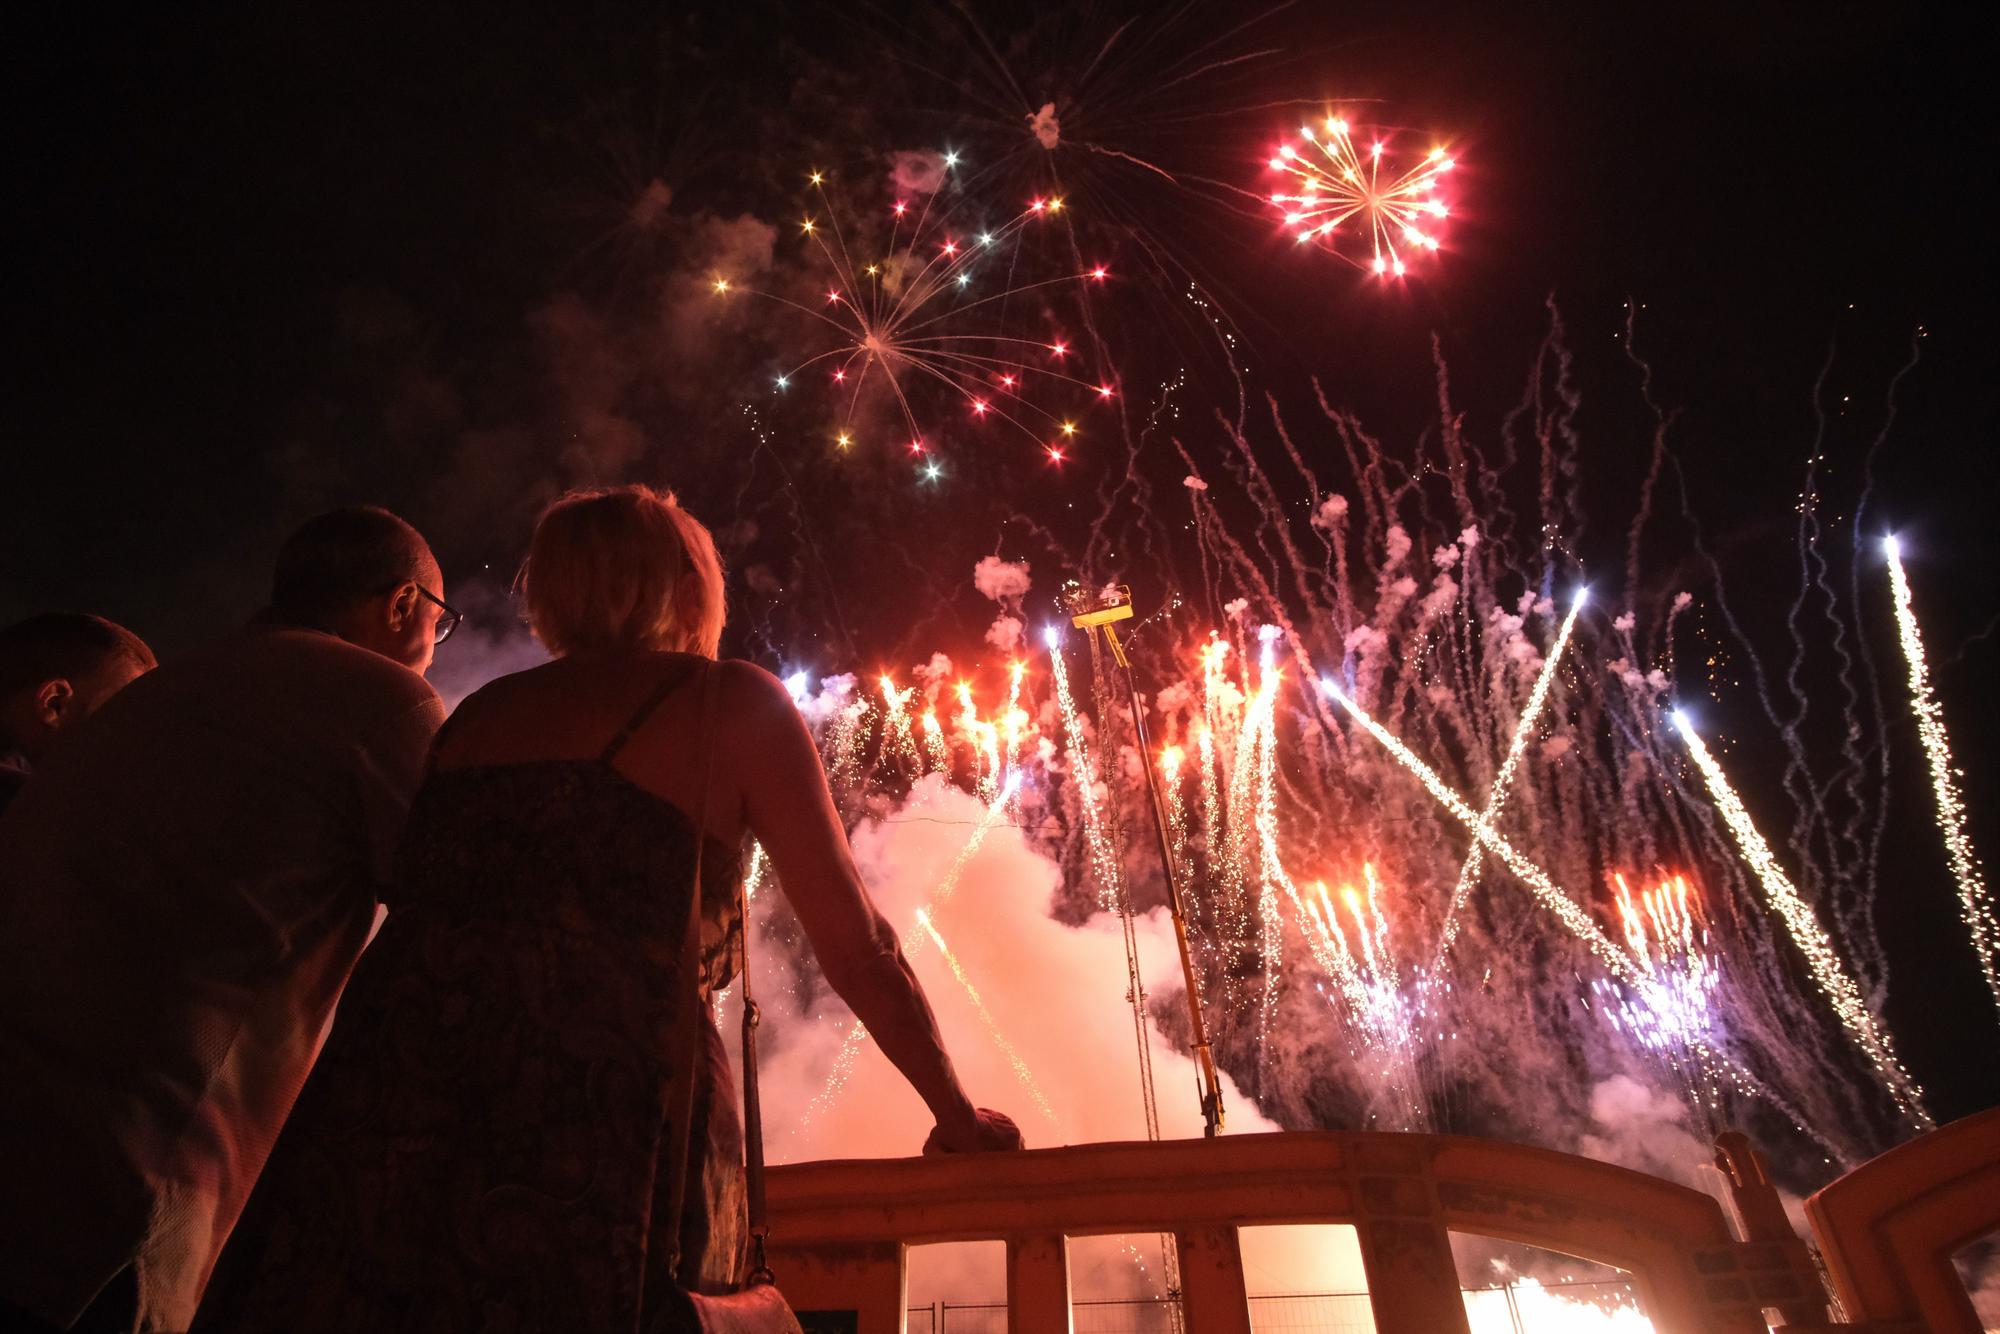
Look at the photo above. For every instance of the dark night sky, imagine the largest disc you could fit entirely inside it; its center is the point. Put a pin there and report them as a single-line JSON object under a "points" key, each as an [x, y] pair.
{"points": [[199, 205], [205, 210]]}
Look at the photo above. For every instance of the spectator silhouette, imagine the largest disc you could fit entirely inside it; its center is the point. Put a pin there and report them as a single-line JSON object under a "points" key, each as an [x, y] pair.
{"points": [[185, 886], [56, 669]]}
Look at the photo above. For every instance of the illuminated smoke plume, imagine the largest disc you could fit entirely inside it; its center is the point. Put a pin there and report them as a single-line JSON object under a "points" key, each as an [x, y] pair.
{"points": [[1044, 126], [922, 172]]}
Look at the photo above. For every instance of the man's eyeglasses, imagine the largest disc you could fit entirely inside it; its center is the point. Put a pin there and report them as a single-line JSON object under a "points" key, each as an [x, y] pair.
{"points": [[448, 617]]}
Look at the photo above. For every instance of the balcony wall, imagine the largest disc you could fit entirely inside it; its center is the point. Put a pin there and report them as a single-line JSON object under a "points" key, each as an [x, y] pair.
{"points": [[840, 1228], [1889, 1228]]}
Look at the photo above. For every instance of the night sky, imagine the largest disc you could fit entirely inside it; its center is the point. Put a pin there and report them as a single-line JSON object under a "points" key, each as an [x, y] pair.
{"points": [[272, 263]]}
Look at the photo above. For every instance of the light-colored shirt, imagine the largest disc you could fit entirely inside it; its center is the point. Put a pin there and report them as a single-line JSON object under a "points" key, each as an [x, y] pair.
{"points": [[184, 889]]}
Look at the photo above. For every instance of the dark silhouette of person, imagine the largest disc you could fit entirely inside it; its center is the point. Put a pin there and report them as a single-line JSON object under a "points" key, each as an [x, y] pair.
{"points": [[185, 887], [56, 669]]}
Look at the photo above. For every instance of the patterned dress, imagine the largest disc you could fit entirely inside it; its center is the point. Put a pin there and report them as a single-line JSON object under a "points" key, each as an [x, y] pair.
{"points": [[486, 1143]]}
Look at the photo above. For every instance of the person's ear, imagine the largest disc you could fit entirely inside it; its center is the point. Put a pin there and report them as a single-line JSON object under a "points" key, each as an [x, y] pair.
{"points": [[54, 700], [403, 606]]}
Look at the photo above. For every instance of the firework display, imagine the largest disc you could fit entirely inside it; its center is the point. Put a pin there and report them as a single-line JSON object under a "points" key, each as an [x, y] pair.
{"points": [[1362, 923], [1823, 957], [933, 305], [1448, 848], [1341, 189], [1277, 634], [1670, 1007]]}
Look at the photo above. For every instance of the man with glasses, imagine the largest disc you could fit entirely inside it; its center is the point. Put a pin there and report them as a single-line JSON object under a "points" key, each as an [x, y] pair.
{"points": [[184, 889]]}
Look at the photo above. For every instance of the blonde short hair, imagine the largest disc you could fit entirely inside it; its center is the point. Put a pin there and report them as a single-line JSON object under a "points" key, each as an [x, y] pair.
{"points": [[623, 568]]}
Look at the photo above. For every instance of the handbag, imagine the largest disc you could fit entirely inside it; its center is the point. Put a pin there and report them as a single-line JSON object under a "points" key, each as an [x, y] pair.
{"points": [[758, 1307]]}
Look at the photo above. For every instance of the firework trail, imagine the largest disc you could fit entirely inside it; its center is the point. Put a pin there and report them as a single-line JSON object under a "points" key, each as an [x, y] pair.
{"points": [[1975, 900], [912, 945], [1419, 584], [1133, 120], [1468, 871], [1866, 834], [1021, 1071], [1546, 891], [1821, 957], [1837, 860]]}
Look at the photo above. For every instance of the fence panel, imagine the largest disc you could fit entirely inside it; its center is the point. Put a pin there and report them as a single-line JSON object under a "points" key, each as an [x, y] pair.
{"points": [[1488, 1309]]}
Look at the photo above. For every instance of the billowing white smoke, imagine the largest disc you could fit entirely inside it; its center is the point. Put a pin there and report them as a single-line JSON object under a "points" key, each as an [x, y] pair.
{"points": [[1005, 582], [1055, 992], [919, 171], [1641, 1128]]}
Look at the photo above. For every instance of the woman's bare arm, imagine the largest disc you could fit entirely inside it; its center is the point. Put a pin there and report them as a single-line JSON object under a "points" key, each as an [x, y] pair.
{"points": [[787, 805]]}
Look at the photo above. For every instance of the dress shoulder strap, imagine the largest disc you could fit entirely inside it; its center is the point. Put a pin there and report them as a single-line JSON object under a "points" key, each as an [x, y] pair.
{"points": [[674, 679]]}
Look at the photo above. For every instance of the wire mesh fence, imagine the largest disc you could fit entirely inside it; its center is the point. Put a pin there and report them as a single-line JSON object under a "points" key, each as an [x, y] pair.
{"points": [[1494, 1309]]}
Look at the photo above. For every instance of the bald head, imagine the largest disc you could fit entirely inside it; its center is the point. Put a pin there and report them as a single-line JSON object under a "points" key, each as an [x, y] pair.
{"points": [[342, 557], [365, 575]]}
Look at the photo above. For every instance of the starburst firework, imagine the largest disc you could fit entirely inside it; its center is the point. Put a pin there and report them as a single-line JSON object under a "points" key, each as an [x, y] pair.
{"points": [[933, 309], [1337, 182]]}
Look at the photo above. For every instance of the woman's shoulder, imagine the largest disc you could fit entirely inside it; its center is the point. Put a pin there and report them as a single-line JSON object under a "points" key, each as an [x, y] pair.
{"points": [[745, 691], [745, 680], [502, 691]]}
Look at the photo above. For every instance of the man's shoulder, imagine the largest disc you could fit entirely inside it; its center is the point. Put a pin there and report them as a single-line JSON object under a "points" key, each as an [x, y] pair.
{"points": [[312, 659], [261, 673]]}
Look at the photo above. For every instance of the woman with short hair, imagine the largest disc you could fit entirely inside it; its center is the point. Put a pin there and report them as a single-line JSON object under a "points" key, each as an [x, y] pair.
{"points": [[490, 1140]]}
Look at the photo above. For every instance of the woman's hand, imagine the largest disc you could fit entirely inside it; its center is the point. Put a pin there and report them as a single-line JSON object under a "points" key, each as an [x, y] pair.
{"points": [[985, 1130]]}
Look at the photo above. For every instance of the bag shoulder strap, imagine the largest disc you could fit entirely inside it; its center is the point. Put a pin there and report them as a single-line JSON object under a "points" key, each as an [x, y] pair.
{"points": [[753, 1105], [680, 1102]]}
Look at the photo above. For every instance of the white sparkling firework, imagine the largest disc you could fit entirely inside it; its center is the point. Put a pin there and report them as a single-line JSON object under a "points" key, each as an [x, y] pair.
{"points": [[1390, 1018], [1671, 1010], [937, 755], [1551, 895], [1021, 1071], [1975, 899], [1822, 959], [1496, 792], [1096, 825], [913, 946], [899, 742]]}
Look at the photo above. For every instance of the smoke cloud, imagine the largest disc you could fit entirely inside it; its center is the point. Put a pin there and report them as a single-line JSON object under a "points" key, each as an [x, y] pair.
{"points": [[1055, 993], [920, 171]]}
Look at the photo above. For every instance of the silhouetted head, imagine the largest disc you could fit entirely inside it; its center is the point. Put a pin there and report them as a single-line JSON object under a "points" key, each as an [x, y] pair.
{"points": [[56, 669], [623, 569], [365, 575]]}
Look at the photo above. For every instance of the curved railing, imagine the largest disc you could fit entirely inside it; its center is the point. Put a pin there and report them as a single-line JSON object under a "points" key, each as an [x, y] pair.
{"points": [[1889, 1228], [840, 1228]]}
